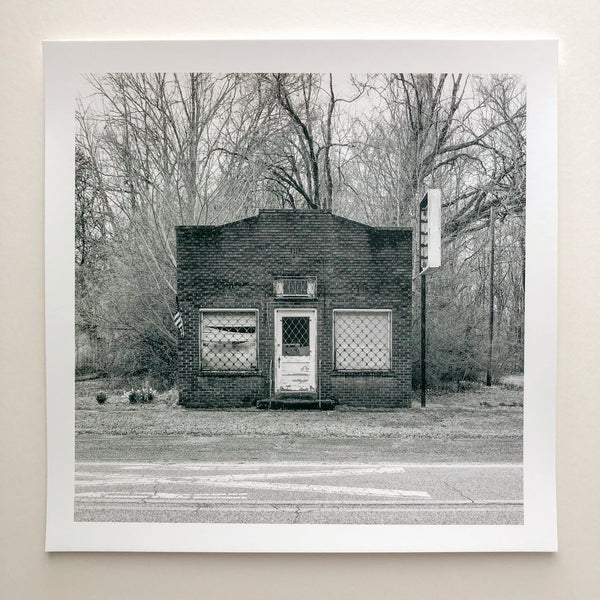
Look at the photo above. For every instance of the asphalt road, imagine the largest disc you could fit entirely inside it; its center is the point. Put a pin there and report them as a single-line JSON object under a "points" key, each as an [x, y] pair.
{"points": [[291, 448], [376, 492]]}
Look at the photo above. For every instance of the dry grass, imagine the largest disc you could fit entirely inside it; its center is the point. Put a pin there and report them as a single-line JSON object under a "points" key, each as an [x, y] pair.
{"points": [[468, 415]]}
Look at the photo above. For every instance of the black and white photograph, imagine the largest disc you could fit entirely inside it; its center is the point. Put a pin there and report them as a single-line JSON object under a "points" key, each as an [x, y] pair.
{"points": [[299, 297]]}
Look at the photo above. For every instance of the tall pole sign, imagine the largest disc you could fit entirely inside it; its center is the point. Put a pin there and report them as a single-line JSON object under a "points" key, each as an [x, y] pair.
{"points": [[488, 379], [430, 259]]}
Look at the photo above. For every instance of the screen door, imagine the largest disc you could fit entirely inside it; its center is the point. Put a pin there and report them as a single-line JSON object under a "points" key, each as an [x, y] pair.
{"points": [[295, 350]]}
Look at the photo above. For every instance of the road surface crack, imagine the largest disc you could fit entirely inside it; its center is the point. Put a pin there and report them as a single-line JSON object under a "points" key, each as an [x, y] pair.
{"points": [[458, 491]]}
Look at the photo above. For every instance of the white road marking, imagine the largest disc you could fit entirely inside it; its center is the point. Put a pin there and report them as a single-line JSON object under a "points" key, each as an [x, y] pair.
{"points": [[119, 496], [245, 476], [373, 507], [275, 465], [256, 481], [245, 503], [253, 476], [286, 492], [280, 487], [323, 489], [463, 466]]}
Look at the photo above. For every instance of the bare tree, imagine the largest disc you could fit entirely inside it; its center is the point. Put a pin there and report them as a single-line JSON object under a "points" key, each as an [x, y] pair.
{"points": [[159, 150], [150, 143]]}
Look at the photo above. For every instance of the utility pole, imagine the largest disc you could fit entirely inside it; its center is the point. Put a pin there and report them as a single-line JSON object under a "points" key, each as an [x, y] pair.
{"points": [[488, 380]]}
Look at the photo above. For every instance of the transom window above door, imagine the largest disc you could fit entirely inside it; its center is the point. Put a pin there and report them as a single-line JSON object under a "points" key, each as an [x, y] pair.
{"points": [[295, 287]]}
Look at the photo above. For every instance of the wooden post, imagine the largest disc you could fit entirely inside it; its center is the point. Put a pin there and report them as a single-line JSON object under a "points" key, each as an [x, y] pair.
{"points": [[488, 380], [423, 338], [319, 383], [270, 383]]}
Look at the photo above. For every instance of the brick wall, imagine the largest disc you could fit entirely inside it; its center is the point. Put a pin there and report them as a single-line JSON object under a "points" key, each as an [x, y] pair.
{"points": [[234, 265]]}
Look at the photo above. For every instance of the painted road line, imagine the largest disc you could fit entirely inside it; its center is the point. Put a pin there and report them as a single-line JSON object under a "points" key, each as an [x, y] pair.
{"points": [[276, 507], [274, 465], [94, 477], [101, 478], [257, 485], [322, 489], [113, 496], [109, 480], [374, 470], [136, 474], [242, 502], [463, 466]]}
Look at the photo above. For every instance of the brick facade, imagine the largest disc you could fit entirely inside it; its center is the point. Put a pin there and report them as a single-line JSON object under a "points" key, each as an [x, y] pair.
{"points": [[233, 266]]}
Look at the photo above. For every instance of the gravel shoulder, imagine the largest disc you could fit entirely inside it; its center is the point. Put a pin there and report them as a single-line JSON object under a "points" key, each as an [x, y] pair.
{"points": [[485, 425], [489, 413]]}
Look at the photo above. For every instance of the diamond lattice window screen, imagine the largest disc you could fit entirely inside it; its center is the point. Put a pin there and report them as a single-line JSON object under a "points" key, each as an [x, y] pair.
{"points": [[295, 336], [228, 341], [362, 340]]}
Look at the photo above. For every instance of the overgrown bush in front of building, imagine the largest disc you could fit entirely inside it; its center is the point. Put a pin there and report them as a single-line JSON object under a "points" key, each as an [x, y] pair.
{"points": [[143, 395]]}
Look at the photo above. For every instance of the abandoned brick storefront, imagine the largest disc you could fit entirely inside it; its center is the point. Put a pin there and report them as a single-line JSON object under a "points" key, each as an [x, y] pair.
{"points": [[294, 305]]}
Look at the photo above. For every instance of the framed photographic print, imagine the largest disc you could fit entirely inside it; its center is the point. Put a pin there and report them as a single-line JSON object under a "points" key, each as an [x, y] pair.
{"points": [[301, 295]]}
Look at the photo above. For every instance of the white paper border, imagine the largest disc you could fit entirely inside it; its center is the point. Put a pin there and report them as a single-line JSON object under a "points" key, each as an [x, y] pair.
{"points": [[536, 60]]}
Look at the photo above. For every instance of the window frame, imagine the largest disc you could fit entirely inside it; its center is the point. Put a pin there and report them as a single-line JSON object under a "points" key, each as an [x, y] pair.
{"points": [[253, 370], [388, 312]]}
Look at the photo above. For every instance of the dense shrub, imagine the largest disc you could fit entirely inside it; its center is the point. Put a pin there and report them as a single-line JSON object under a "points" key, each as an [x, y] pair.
{"points": [[143, 395], [101, 398]]}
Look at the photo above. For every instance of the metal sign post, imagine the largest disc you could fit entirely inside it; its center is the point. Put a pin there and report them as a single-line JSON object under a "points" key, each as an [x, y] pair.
{"points": [[488, 378], [423, 337], [430, 259]]}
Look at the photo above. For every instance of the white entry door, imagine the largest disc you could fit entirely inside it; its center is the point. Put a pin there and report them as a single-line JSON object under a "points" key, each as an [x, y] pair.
{"points": [[295, 350]]}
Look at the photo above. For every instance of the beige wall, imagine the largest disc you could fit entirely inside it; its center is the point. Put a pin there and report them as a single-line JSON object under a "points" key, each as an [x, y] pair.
{"points": [[27, 572]]}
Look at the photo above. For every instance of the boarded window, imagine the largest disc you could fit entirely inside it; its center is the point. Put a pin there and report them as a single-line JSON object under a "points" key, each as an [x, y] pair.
{"points": [[362, 340], [228, 340]]}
